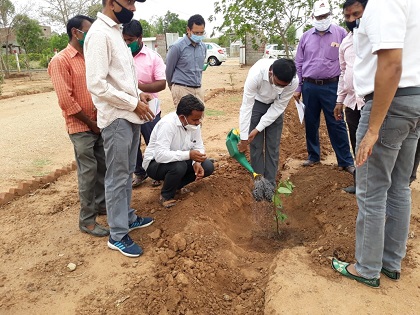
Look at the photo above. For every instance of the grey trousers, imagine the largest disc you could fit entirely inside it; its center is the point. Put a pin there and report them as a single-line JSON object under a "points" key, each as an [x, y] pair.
{"points": [[90, 159], [265, 148], [121, 142]]}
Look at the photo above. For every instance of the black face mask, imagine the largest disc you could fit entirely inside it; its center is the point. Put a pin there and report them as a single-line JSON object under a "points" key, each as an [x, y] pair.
{"points": [[352, 25], [125, 15]]}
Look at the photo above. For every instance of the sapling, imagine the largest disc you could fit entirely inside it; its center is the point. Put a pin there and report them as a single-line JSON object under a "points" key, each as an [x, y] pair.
{"points": [[284, 188]]}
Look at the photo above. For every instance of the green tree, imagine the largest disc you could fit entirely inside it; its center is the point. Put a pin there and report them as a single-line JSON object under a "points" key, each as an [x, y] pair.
{"points": [[147, 28], [170, 23], [7, 10], [58, 42], [29, 34], [263, 17]]}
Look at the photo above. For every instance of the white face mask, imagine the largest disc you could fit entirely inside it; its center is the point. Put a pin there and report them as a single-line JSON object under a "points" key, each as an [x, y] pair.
{"points": [[322, 25], [188, 126]]}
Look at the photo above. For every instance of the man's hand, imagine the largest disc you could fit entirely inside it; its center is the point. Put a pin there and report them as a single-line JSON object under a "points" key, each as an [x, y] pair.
{"points": [[197, 156], [94, 127], [198, 170], [145, 97], [297, 96], [252, 135], [338, 111], [242, 146], [143, 111], [365, 147]]}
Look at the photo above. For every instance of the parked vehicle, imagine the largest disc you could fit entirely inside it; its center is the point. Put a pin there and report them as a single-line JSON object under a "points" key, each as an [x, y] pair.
{"points": [[271, 51], [215, 54]]}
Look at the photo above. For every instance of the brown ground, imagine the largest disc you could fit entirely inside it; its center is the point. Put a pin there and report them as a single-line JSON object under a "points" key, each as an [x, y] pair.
{"points": [[216, 252]]}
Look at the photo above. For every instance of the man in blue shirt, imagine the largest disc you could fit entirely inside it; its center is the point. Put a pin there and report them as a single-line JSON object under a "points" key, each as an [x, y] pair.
{"points": [[185, 61]]}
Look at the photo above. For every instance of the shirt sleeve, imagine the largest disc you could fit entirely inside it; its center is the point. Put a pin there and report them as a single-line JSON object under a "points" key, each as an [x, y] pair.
{"points": [[163, 153], [341, 93], [171, 61], [59, 71], [159, 68], [278, 106], [98, 60], [250, 91], [299, 63]]}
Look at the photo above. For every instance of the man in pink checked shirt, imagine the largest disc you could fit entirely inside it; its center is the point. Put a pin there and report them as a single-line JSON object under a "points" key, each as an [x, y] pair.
{"points": [[346, 96], [150, 70]]}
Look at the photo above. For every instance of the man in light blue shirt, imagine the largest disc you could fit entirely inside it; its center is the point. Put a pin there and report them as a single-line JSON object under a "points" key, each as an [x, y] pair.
{"points": [[185, 61]]}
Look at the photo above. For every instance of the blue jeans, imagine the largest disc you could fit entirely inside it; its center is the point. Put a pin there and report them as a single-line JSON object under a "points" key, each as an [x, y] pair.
{"points": [[145, 130], [315, 98], [121, 141], [382, 191]]}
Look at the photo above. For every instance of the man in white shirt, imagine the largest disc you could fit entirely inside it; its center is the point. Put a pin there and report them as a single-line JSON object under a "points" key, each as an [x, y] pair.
{"points": [[111, 79], [175, 153], [268, 89], [387, 74]]}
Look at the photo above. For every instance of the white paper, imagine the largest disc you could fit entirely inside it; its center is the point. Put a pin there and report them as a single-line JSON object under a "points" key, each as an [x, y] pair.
{"points": [[154, 105], [301, 110]]}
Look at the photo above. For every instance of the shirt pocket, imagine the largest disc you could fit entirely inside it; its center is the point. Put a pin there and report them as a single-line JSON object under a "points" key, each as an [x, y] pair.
{"points": [[331, 53]]}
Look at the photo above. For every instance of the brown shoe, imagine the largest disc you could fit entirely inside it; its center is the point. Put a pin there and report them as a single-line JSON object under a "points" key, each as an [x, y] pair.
{"points": [[167, 203], [310, 163]]}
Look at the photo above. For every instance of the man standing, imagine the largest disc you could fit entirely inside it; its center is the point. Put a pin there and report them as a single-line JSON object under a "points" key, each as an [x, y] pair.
{"points": [[112, 82], [175, 153], [387, 73], [346, 96], [68, 74], [268, 89], [150, 70], [318, 69], [185, 61]]}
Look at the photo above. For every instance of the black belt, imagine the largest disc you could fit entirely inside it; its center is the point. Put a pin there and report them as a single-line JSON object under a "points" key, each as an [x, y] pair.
{"points": [[320, 81], [414, 90], [189, 86]]}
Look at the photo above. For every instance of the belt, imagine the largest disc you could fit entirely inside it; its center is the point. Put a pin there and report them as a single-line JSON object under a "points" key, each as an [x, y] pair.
{"points": [[414, 90], [189, 86], [320, 81]]}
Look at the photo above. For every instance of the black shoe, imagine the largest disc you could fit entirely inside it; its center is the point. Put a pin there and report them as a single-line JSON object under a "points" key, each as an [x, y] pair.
{"points": [[310, 163], [98, 230], [350, 189], [393, 275]]}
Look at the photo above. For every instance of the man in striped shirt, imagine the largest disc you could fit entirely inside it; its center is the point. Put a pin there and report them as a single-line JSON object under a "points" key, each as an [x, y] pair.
{"points": [[68, 74]]}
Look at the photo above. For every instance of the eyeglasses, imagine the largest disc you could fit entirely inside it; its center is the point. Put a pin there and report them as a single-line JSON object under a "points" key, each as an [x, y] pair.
{"points": [[198, 33]]}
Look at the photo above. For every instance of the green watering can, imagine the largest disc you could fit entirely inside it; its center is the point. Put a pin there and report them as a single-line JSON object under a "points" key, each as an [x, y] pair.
{"points": [[232, 141]]}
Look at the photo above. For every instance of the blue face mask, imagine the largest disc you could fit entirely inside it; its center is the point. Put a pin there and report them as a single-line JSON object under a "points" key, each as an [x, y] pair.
{"points": [[197, 38]]}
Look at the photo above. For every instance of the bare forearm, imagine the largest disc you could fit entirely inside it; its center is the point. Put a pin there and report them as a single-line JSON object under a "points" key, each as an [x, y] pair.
{"points": [[153, 87], [83, 118], [387, 77]]}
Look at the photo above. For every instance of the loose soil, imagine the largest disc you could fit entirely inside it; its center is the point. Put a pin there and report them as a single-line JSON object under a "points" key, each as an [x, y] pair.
{"points": [[216, 252]]}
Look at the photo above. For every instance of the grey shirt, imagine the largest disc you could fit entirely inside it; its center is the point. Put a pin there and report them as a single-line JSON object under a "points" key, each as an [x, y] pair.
{"points": [[184, 63]]}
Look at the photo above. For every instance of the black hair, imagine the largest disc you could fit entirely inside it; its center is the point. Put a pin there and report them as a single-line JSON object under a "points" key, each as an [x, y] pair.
{"points": [[284, 69], [133, 28], [196, 19], [349, 3], [77, 22], [187, 104], [104, 3]]}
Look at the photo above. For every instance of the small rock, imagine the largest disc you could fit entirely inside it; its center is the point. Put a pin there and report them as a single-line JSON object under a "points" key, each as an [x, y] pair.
{"points": [[170, 253], [71, 266], [160, 243], [182, 279], [227, 297], [155, 234]]}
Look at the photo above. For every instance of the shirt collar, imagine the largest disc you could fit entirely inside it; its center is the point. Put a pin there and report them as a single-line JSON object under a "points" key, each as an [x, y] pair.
{"points": [[106, 19], [72, 51], [187, 40]]}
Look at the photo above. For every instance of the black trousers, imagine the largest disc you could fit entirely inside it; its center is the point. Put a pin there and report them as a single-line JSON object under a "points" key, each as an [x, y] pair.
{"points": [[176, 175], [352, 120]]}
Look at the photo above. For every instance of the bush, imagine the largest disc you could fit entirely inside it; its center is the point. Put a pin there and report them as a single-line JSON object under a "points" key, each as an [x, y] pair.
{"points": [[35, 57]]}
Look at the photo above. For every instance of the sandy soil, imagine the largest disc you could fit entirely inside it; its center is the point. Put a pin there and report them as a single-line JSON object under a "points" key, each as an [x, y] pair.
{"points": [[216, 252]]}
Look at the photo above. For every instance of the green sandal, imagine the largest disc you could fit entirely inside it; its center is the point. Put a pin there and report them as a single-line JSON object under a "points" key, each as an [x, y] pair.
{"points": [[341, 267], [393, 275]]}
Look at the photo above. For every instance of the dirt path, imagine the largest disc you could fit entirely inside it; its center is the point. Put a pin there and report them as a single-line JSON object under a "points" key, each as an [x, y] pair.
{"points": [[214, 253]]}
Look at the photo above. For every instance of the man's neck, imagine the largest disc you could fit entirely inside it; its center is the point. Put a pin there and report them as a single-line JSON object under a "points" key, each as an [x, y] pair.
{"points": [[77, 46]]}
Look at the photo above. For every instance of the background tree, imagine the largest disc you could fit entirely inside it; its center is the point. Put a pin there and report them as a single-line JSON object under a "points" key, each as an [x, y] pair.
{"points": [[267, 18], [58, 12], [169, 23], [58, 42], [7, 10], [148, 30]]}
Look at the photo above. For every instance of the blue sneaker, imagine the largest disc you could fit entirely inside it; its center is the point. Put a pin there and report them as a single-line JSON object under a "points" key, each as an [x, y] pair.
{"points": [[126, 246], [140, 223]]}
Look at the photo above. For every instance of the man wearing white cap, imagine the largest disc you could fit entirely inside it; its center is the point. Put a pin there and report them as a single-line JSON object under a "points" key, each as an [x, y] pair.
{"points": [[318, 70]]}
